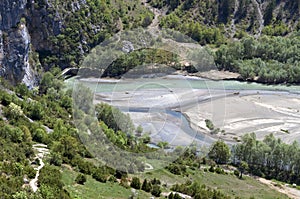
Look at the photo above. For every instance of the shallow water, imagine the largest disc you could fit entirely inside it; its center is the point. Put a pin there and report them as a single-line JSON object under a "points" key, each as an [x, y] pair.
{"points": [[182, 82]]}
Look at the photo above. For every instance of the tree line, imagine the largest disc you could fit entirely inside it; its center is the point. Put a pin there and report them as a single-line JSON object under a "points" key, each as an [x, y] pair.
{"points": [[266, 60], [270, 158]]}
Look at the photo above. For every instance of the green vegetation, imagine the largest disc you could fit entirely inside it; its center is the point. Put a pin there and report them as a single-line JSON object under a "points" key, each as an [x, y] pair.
{"points": [[209, 124], [141, 57], [28, 117], [114, 118], [266, 60], [84, 27], [270, 158], [46, 115], [198, 191], [210, 22], [80, 179], [219, 152]]}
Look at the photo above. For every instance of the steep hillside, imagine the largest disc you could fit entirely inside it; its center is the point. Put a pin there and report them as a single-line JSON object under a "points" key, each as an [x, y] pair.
{"points": [[230, 18], [37, 35]]}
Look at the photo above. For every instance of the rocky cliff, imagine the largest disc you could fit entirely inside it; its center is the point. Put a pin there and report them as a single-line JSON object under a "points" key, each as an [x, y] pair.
{"points": [[36, 35], [15, 43]]}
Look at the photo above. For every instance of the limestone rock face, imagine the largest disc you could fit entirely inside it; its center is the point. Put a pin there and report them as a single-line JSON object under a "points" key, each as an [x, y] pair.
{"points": [[15, 43], [11, 12]]}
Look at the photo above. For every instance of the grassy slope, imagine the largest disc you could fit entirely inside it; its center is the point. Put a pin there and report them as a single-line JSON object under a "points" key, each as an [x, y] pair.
{"points": [[229, 184], [93, 189]]}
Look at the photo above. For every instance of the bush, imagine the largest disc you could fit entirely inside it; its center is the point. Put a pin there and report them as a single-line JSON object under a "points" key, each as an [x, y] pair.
{"points": [[155, 182], [112, 179], [99, 176], [146, 186], [55, 159], [156, 191], [236, 173], [212, 169], [80, 179], [136, 184], [219, 170], [175, 169], [209, 124]]}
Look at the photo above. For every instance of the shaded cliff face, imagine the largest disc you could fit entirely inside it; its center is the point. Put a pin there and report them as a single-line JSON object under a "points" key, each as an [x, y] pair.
{"points": [[15, 44], [11, 12], [40, 34]]}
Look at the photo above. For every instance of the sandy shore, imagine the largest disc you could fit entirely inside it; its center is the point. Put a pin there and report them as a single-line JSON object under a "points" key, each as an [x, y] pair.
{"points": [[212, 74], [155, 117], [237, 112], [262, 113]]}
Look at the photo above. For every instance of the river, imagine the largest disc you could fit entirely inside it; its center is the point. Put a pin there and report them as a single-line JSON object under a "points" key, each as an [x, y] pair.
{"points": [[173, 108]]}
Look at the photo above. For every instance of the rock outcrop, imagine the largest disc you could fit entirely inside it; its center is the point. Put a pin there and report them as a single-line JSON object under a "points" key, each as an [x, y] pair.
{"points": [[15, 43]]}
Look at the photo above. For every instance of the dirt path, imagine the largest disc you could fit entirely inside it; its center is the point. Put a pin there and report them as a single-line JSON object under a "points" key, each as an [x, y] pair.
{"points": [[157, 14], [148, 166], [290, 192], [42, 151]]}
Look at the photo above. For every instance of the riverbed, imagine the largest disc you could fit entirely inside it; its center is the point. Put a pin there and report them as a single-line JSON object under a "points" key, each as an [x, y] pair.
{"points": [[173, 108]]}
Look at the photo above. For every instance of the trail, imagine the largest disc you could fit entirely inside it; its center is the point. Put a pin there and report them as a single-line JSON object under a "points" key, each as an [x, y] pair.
{"points": [[154, 26], [233, 27], [290, 192], [260, 18], [42, 151], [148, 166]]}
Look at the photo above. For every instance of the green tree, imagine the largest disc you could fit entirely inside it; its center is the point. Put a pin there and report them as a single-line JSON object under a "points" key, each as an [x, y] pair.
{"points": [[242, 168], [209, 124], [146, 186], [139, 131], [14, 111], [36, 111], [22, 90], [219, 152], [156, 190], [136, 184]]}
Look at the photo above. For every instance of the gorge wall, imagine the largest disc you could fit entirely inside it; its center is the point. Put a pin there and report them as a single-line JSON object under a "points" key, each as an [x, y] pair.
{"points": [[15, 43], [36, 35]]}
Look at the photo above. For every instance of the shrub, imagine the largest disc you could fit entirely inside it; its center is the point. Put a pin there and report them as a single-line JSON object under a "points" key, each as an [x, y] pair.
{"points": [[99, 176], [219, 170], [155, 182], [80, 179], [146, 186], [236, 173], [112, 179], [156, 191], [136, 184], [175, 169], [209, 124]]}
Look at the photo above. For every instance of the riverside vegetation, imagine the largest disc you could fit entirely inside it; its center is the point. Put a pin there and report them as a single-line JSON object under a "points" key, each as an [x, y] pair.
{"points": [[25, 115], [46, 115]]}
